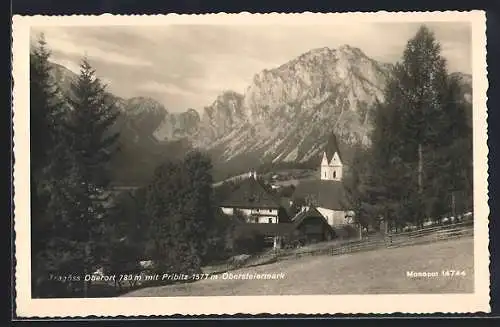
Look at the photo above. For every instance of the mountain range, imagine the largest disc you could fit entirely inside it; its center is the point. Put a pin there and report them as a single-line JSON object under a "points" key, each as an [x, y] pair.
{"points": [[284, 115]]}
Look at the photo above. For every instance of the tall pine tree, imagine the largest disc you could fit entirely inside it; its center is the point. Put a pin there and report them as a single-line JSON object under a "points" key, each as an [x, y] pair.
{"points": [[181, 213], [198, 208], [160, 201], [92, 144], [424, 81], [415, 134], [46, 108], [388, 175], [49, 151], [454, 160], [46, 115], [173, 249]]}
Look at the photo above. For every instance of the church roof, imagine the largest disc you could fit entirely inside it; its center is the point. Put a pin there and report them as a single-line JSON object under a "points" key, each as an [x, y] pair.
{"points": [[323, 194], [250, 193], [332, 146]]}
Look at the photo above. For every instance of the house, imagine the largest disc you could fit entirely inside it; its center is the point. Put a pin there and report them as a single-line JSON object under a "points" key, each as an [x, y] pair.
{"points": [[307, 226], [327, 193], [311, 226], [273, 234], [260, 211], [254, 202]]}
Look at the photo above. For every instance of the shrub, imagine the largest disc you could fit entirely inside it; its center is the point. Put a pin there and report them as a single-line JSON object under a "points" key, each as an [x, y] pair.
{"points": [[249, 243]]}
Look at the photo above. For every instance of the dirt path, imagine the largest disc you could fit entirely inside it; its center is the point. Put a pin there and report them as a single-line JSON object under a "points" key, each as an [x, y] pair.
{"points": [[373, 272]]}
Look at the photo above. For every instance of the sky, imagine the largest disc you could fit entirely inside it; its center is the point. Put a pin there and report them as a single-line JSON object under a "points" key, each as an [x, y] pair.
{"points": [[187, 66]]}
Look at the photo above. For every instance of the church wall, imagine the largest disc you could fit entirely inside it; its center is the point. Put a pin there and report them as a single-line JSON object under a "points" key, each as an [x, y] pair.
{"points": [[333, 170], [339, 218], [327, 172], [334, 217], [338, 173], [331, 173]]}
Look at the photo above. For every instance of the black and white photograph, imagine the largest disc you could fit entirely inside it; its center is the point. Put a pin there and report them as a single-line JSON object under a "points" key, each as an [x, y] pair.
{"points": [[202, 159]]}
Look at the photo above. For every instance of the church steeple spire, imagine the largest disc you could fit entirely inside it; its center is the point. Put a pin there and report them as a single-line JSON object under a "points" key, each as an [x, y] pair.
{"points": [[331, 163], [332, 147]]}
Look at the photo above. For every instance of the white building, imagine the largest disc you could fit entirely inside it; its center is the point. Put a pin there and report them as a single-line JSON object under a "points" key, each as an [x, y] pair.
{"points": [[328, 194], [254, 202]]}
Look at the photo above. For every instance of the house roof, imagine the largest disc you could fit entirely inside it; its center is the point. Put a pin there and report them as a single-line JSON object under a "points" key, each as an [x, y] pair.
{"points": [[323, 193], [250, 193], [311, 212], [332, 146], [281, 229]]}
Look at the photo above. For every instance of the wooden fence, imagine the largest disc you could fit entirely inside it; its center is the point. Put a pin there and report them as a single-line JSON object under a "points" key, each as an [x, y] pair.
{"points": [[422, 236], [427, 235], [432, 234]]}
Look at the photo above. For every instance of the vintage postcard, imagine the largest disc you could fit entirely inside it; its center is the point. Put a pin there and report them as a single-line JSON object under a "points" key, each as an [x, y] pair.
{"points": [[250, 163]]}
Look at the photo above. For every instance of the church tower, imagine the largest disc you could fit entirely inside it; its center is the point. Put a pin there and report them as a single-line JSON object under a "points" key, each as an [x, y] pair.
{"points": [[331, 163]]}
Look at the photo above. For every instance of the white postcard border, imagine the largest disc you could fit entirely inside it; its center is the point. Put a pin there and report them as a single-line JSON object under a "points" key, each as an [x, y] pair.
{"points": [[318, 304]]}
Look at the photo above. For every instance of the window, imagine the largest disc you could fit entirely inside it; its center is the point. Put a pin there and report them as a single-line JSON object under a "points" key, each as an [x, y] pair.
{"points": [[334, 174], [325, 174], [270, 220], [270, 210]]}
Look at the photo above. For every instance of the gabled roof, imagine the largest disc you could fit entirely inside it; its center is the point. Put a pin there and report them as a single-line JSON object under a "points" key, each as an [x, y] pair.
{"points": [[281, 229], [250, 193], [323, 193], [311, 212], [332, 146]]}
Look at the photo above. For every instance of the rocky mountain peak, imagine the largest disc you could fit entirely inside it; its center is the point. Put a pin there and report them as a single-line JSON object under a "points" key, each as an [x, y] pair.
{"points": [[350, 50], [286, 111], [143, 106], [222, 115], [285, 114], [192, 112]]}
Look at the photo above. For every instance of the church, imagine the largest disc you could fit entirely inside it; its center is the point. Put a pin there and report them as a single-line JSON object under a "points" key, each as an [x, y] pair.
{"points": [[327, 194], [259, 211], [331, 165], [325, 205]]}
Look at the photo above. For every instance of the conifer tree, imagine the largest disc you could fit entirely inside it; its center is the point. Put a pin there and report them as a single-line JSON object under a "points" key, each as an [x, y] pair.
{"points": [[92, 144], [180, 208], [198, 208], [409, 127], [358, 188], [163, 201], [387, 178], [93, 116], [49, 151], [454, 160], [46, 114]]}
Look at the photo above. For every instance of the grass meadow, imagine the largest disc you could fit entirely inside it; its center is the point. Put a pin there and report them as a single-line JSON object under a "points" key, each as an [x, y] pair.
{"points": [[382, 271]]}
